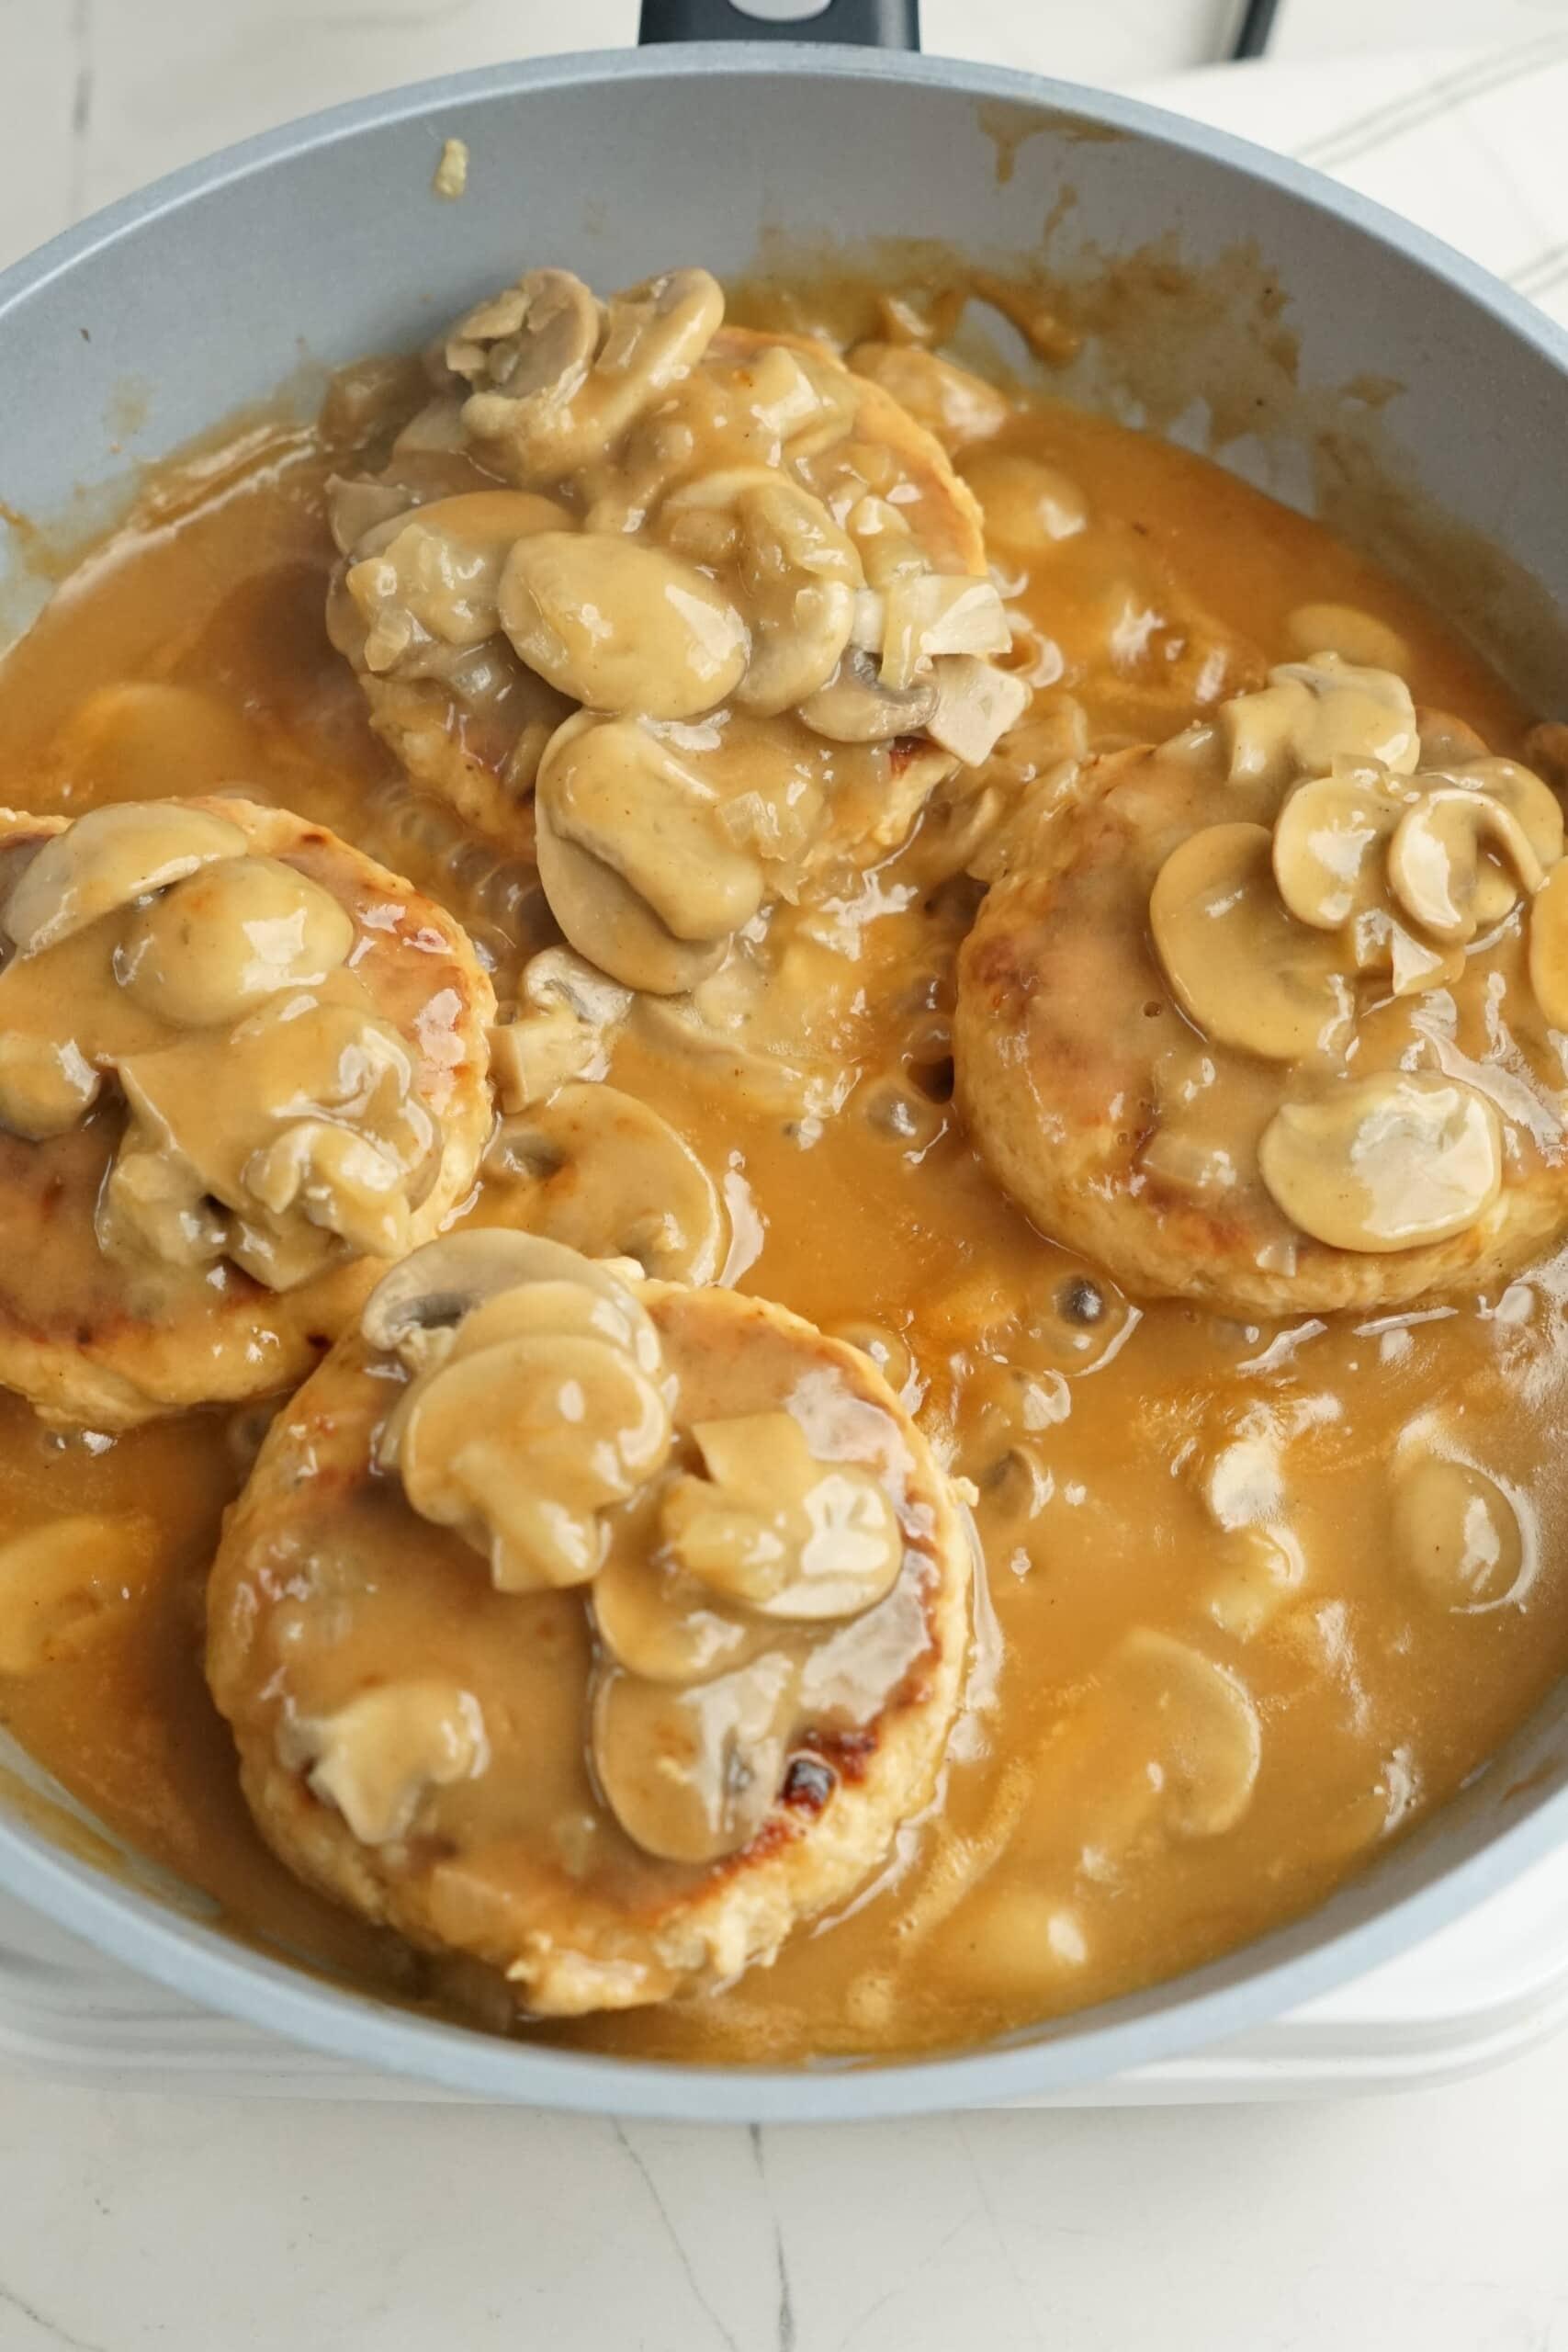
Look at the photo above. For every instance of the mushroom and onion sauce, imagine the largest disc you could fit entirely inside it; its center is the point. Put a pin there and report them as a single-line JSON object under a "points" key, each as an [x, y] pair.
{"points": [[239, 1064], [632, 1628], [1025, 971]]}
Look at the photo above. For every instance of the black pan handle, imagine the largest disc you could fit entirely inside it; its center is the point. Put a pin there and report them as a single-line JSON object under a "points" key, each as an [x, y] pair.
{"points": [[873, 24]]}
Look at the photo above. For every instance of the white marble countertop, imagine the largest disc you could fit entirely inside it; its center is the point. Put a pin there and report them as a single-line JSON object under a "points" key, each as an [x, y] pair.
{"points": [[130, 2221]]}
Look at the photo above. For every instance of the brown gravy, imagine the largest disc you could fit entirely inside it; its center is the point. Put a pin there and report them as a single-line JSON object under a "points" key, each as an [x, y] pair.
{"points": [[1374, 1702]]}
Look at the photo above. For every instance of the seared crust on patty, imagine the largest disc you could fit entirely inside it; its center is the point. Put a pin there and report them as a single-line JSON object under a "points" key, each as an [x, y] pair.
{"points": [[327, 1584], [99, 1345]]}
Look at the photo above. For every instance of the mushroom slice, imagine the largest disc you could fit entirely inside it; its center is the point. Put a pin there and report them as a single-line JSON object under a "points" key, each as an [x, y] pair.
{"points": [[617, 790], [1457, 1534], [1328, 843], [1261, 1568], [46, 1084], [1312, 713], [798, 575], [1447, 742], [1436, 869], [777, 1531], [561, 1306], [928, 612], [309, 1128], [435, 431], [537, 337], [355, 506], [667, 1626], [207, 951], [378, 1757], [343, 1182], [1390, 1162], [1237, 963], [975, 704], [109, 858], [691, 1774], [520, 1446], [621, 627], [414, 1311], [1197, 1723], [604, 919], [435, 574], [855, 707], [654, 334], [565, 1017], [1348, 632], [607, 1175], [64, 1584], [1548, 946]]}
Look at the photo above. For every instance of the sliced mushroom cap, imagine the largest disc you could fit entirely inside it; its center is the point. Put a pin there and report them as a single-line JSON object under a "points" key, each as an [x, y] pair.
{"points": [[64, 1584], [209, 949], [777, 1531], [607, 921], [666, 1626], [1028, 507], [855, 707], [607, 1175], [692, 1774], [521, 1445], [1200, 1726], [336, 1178], [434, 432], [1312, 713], [615, 789], [1447, 742], [310, 1128], [153, 1205], [109, 858], [1391, 1162], [619, 626], [653, 334], [798, 573], [436, 573], [1531, 802], [357, 506], [378, 1757], [1345, 629], [1549, 947], [1261, 1568], [537, 337], [1328, 845], [46, 1084], [1457, 1534], [413, 1312], [1238, 963], [1436, 867]]}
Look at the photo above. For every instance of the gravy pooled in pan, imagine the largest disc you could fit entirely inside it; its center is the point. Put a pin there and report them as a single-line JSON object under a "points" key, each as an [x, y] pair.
{"points": [[1031, 984]]}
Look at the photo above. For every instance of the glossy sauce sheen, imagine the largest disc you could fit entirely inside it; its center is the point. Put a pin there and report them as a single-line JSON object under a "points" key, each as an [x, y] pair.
{"points": [[1045, 1882]]}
